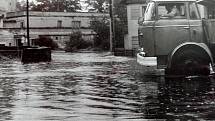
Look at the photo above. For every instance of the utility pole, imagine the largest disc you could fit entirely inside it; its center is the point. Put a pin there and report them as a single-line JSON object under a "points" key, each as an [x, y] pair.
{"points": [[27, 14], [58, 5], [111, 26]]}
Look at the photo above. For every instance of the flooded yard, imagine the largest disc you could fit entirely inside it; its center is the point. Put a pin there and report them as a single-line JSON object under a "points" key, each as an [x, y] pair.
{"points": [[99, 87]]}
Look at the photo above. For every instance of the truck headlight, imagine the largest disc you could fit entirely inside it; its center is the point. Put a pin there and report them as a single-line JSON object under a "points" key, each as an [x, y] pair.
{"points": [[141, 52]]}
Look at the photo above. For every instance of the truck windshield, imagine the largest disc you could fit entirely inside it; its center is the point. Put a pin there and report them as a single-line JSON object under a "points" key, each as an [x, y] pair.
{"points": [[150, 12]]}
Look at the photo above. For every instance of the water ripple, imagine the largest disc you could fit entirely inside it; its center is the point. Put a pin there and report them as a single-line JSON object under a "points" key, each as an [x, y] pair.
{"points": [[98, 87]]}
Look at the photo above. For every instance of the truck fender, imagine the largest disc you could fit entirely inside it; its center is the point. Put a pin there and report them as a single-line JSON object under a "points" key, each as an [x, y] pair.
{"points": [[200, 48]]}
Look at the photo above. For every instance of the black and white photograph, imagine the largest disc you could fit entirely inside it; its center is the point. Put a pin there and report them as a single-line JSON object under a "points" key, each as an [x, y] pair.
{"points": [[107, 60]]}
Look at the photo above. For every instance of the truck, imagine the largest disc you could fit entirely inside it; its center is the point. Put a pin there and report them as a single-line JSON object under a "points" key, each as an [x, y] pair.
{"points": [[180, 40]]}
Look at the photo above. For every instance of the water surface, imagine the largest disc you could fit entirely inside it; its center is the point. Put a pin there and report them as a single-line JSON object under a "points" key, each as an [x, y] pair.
{"points": [[98, 87]]}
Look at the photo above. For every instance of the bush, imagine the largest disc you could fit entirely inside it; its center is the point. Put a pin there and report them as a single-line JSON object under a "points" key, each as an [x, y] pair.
{"points": [[102, 29], [76, 42], [46, 41]]}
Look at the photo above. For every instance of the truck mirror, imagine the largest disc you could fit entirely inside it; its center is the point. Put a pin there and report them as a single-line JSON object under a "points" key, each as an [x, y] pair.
{"points": [[140, 20]]}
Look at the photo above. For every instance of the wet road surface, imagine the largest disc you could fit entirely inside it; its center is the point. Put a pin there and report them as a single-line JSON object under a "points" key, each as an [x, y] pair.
{"points": [[99, 87]]}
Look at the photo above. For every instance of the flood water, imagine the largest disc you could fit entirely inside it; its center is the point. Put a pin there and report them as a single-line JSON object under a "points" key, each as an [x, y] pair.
{"points": [[89, 86]]}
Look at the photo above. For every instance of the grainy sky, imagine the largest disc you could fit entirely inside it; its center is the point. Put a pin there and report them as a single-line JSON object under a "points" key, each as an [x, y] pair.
{"points": [[25, 0]]}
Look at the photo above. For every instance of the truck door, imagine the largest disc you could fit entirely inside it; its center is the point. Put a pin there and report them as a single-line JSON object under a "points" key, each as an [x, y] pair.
{"points": [[146, 30], [195, 22], [171, 28]]}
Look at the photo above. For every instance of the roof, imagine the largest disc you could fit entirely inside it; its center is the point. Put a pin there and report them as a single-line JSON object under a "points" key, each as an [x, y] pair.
{"points": [[54, 14], [210, 3], [146, 1], [203, 2], [134, 1], [174, 0]]}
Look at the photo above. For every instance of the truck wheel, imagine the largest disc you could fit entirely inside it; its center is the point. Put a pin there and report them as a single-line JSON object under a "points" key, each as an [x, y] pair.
{"points": [[189, 62]]}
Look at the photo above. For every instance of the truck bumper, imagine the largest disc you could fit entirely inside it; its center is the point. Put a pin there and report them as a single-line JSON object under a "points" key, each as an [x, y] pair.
{"points": [[146, 61]]}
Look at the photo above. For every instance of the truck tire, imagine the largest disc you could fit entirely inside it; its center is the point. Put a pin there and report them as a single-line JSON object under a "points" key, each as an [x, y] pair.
{"points": [[190, 62]]}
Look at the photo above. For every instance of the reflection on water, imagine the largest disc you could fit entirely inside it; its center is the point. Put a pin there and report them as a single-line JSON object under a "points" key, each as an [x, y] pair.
{"points": [[98, 87], [187, 98]]}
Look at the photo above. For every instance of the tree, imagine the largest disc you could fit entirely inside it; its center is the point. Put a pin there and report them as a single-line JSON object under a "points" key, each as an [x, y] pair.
{"points": [[51, 5], [120, 23], [76, 42], [100, 6], [43, 5], [102, 29], [21, 6], [120, 18]]}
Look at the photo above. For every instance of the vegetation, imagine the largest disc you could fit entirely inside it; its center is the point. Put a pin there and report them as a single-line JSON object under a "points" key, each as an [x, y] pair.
{"points": [[102, 28], [120, 23], [21, 6], [46, 41], [101, 40], [76, 42], [101, 6], [52, 5]]}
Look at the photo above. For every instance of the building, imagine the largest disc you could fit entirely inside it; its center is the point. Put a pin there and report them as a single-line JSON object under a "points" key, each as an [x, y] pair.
{"points": [[6, 37], [8, 5], [135, 10], [57, 25]]}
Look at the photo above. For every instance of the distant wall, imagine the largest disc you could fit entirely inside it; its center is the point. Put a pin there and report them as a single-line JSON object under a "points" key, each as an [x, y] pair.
{"points": [[134, 11], [8, 5], [57, 25]]}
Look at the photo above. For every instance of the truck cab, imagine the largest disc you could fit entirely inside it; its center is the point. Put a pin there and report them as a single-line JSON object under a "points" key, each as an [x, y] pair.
{"points": [[167, 27]]}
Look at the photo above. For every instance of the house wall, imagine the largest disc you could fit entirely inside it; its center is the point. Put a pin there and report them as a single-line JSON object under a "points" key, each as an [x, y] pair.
{"points": [[47, 22], [134, 11], [1, 22], [57, 25], [6, 37], [8, 5], [50, 19]]}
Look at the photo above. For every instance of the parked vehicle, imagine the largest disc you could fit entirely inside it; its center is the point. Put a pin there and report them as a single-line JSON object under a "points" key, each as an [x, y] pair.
{"points": [[173, 32]]}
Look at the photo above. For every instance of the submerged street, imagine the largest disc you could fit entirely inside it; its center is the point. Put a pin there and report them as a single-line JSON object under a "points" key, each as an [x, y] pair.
{"points": [[90, 86]]}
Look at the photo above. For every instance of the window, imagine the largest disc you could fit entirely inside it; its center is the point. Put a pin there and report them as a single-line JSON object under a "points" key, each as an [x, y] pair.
{"points": [[93, 22], [150, 12], [211, 13], [143, 10], [193, 11], [76, 24], [59, 23], [171, 11], [22, 25]]}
